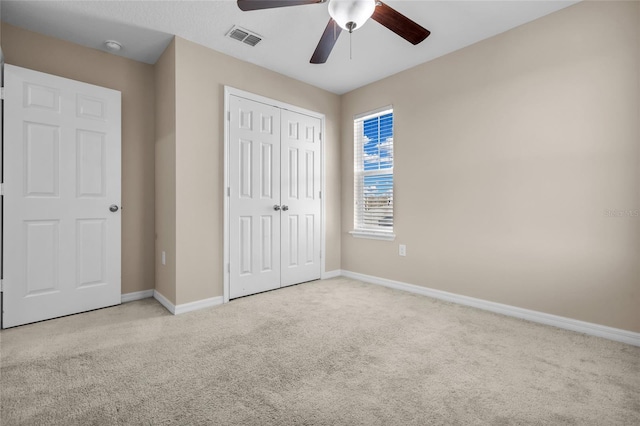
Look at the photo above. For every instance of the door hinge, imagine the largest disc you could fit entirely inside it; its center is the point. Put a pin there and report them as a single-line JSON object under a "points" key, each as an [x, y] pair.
{"points": [[228, 191], [320, 135], [228, 267], [319, 194], [2, 189], [1, 285], [229, 115], [2, 93]]}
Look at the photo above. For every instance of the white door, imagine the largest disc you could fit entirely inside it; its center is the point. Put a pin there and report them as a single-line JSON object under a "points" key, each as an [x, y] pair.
{"points": [[62, 143], [274, 201], [301, 205], [254, 235]]}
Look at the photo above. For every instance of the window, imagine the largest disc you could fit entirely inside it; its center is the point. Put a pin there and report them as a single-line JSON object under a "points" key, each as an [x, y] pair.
{"points": [[373, 174]]}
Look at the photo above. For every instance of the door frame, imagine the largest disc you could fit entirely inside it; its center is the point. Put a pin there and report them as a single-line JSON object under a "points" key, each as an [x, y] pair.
{"points": [[1, 187], [231, 91]]}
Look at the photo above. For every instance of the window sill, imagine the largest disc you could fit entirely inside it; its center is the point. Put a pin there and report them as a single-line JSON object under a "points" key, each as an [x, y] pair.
{"points": [[372, 235]]}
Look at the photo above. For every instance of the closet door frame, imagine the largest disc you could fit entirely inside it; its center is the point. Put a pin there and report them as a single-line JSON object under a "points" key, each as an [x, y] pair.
{"points": [[231, 91]]}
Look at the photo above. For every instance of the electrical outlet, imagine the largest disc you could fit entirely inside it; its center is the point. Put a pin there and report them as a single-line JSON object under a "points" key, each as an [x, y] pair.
{"points": [[164, 258], [402, 251]]}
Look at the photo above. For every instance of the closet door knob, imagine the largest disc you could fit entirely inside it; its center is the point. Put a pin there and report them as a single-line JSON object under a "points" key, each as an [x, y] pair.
{"points": [[285, 208], [276, 207]]}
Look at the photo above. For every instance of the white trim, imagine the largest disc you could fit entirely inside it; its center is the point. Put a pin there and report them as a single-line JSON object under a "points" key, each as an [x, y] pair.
{"points": [[199, 304], [372, 235], [331, 274], [591, 329], [2, 112], [164, 302], [136, 295], [227, 183], [372, 113], [187, 307], [323, 197], [229, 91]]}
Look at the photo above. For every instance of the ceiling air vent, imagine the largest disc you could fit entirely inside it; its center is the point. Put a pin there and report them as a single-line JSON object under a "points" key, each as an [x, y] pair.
{"points": [[244, 36]]}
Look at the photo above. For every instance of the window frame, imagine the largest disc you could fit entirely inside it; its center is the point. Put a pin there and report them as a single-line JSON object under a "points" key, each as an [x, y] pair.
{"points": [[359, 173]]}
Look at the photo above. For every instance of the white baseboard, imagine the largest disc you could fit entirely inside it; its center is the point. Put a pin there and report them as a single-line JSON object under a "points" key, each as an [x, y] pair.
{"points": [[199, 304], [610, 333], [136, 295], [331, 274], [187, 307], [164, 302]]}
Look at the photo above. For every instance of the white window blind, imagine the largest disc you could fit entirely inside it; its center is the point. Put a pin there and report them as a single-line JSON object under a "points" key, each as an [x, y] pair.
{"points": [[373, 173]]}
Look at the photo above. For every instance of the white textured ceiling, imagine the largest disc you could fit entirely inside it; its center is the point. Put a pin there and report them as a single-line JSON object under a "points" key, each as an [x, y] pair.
{"points": [[290, 34]]}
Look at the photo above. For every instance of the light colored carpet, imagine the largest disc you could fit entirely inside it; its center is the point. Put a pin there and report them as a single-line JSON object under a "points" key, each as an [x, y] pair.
{"points": [[335, 352]]}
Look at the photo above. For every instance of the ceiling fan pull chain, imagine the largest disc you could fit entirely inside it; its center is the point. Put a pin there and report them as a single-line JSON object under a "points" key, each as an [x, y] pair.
{"points": [[350, 50]]}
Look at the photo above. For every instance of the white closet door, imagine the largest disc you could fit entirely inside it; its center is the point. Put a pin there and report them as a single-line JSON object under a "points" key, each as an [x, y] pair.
{"points": [[62, 143], [301, 204], [254, 162]]}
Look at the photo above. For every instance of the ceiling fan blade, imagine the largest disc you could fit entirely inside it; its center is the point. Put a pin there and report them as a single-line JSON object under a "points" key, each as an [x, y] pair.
{"points": [[326, 43], [247, 5], [399, 24]]}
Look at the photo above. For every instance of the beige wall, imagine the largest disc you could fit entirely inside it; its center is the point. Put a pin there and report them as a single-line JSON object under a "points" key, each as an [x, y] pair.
{"points": [[201, 75], [507, 154], [135, 81], [165, 167]]}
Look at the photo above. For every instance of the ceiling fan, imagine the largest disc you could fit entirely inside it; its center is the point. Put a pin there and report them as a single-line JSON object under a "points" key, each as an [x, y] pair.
{"points": [[348, 15]]}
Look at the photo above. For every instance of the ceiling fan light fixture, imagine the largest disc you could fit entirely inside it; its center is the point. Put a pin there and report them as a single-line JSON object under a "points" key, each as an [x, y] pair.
{"points": [[351, 14]]}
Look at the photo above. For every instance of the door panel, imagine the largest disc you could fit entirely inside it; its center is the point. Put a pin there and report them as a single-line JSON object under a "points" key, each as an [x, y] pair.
{"points": [[301, 194], [92, 164], [292, 241], [254, 156], [266, 236], [42, 241], [42, 159], [91, 243], [62, 170]]}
